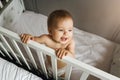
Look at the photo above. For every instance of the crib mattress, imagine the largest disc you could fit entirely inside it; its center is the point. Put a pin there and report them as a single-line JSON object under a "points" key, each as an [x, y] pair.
{"points": [[9, 71], [90, 48]]}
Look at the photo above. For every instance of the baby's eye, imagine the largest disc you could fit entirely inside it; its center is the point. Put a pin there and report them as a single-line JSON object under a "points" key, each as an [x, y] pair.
{"points": [[60, 30], [69, 30]]}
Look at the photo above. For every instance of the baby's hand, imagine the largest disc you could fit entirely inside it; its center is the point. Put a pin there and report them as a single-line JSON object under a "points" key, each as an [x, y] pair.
{"points": [[26, 37], [61, 52]]}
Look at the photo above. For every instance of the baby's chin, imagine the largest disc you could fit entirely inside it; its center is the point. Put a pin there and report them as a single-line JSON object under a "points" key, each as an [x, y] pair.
{"points": [[64, 42]]}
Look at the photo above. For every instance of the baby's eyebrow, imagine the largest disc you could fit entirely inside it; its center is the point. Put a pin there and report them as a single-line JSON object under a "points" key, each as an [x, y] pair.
{"points": [[60, 28]]}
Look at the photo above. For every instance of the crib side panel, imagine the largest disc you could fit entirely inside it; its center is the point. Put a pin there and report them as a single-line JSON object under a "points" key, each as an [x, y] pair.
{"points": [[9, 44], [71, 62]]}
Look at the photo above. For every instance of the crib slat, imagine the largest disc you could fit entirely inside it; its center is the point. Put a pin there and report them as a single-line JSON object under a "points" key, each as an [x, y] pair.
{"points": [[6, 52], [84, 76], [1, 5], [13, 53], [7, 0], [54, 67], [42, 62], [30, 55], [22, 3], [68, 72], [19, 51], [2, 53]]}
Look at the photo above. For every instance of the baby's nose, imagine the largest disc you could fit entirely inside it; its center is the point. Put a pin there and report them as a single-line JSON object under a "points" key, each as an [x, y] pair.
{"points": [[65, 33]]}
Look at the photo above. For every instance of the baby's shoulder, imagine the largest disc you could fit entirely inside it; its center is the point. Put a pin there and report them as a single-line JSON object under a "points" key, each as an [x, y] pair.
{"points": [[45, 36], [72, 42]]}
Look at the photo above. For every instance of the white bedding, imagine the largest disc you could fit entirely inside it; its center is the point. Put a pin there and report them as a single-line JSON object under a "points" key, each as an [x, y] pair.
{"points": [[90, 48], [9, 71]]}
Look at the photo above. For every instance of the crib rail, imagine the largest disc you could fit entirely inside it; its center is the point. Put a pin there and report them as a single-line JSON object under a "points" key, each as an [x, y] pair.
{"points": [[43, 50]]}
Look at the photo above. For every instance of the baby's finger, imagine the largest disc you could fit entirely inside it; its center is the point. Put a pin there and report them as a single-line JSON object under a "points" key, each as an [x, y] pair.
{"points": [[21, 35], [61, 54], [58, 53], [25, 39]]}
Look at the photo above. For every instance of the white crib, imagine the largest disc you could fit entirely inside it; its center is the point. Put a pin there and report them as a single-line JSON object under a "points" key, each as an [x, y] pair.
{"points": [[10, 44]]}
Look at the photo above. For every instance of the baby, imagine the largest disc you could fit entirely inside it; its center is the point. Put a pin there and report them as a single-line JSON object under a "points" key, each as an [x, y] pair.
{"points": [[60, 37]]}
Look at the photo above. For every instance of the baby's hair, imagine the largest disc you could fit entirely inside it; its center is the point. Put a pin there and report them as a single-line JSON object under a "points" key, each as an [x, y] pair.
{"points": [[56, 16]]}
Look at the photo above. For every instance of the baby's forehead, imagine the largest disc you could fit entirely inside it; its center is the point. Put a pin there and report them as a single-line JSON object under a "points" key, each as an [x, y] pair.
{"points": [[63, 27], [64, 19], [65, 22]]}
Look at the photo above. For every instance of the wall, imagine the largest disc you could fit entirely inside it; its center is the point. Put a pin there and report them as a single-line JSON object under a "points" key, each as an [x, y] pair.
{"points": [[101, 17]]}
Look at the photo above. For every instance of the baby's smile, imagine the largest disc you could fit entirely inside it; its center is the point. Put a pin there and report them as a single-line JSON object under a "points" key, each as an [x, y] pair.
{"points": [[64, 39]]}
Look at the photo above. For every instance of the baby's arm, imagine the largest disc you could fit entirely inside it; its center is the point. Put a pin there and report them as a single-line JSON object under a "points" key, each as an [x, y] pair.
{"points": [[26, 37], [69, 51]]}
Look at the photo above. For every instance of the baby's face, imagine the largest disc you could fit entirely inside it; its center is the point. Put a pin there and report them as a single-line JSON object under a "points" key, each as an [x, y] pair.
{"points": [[63, 32]]}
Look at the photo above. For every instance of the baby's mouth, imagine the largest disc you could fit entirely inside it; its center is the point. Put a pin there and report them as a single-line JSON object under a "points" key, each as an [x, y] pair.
{"points": [[63, 39]]}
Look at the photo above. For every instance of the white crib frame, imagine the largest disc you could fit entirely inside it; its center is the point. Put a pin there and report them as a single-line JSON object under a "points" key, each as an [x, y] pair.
{"points": [[71, 62], [43, 50]]}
